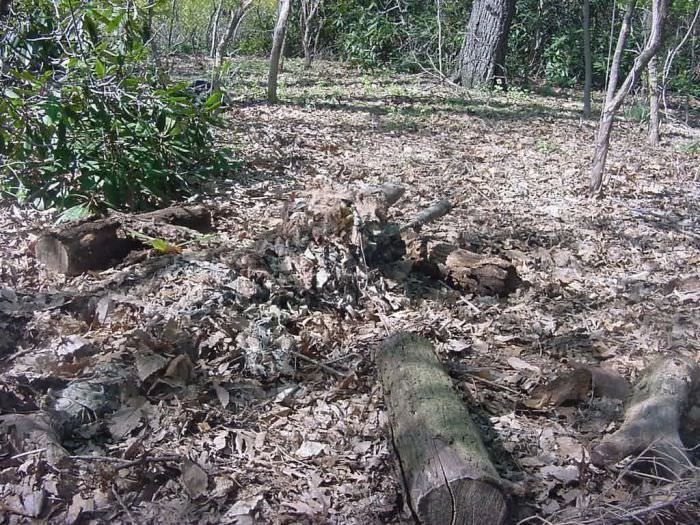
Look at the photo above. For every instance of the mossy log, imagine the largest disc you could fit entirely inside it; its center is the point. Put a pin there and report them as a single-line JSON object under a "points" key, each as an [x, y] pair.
{"points": [[96, 244], [447, 473]]}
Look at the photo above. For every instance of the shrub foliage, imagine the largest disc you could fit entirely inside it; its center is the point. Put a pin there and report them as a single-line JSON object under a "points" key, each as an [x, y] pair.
{"points": [[86, 120]]}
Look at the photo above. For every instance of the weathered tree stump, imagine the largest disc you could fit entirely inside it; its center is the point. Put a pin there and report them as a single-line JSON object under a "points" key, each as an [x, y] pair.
{"points": [[96, 244], [447, 473], [653, 417], [469, 271]]}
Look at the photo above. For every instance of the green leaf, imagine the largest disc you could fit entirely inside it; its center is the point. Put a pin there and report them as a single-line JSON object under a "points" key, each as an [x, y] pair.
{"points": [[100, 69], [214, 100]]}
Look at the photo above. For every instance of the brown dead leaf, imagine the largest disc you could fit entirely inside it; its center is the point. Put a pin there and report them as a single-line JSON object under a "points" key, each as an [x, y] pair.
{"points": [[194, 478]]}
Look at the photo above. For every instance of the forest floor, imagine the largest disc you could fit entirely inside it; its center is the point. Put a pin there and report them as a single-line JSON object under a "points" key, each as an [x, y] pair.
{"points": [[281, 418]]}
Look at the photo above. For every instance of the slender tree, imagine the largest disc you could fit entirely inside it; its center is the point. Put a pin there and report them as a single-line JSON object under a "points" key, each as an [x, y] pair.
{"points": [[615, 96], [310, 25], [277, 44], [227, 37], [483, 53], [587, 61], [654, 116]]}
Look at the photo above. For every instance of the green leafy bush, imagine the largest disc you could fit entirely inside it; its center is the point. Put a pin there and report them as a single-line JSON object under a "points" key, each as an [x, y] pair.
{"points": [[86, 121]]}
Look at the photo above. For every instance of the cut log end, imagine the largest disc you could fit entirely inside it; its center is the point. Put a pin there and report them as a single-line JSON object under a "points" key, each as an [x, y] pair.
{"points": [[464, 501]]}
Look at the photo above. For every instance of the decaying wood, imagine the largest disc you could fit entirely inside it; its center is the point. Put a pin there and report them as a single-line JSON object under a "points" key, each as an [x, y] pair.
{"points": [[653, 417], [447, 473], [469, 271], [97, 244], [434, 212], [373, 202]]}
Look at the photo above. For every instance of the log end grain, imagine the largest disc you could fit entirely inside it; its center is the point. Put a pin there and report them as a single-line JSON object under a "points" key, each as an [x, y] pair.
{"points": [[467, 502]]}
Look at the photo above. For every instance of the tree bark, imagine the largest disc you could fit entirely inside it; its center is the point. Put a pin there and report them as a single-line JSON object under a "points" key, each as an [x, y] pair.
{"points": [[215, 29], [462, 269], [276, 53], [309, 28], [587, 61], [615, 97], [5, 8], [654, 119], [653, 417], [229, 36], [483, 52], [447, 473]]}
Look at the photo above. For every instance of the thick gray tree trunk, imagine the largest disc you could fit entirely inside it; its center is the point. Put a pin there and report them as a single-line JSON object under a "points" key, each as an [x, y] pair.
{"points": [[615, 97], [277, 44], [587, 61], [483, 52]]}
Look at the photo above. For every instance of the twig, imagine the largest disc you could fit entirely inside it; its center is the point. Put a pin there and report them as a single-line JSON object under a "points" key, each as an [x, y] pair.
{"points": [[126, 463], [123, 506], [327, 368], [29, 453]]}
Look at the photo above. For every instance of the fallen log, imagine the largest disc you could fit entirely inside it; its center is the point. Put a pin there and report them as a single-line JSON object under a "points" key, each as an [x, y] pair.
{"points": [[653, 417], [446, 470], [465, 270], [96, 244], [429, 214]]}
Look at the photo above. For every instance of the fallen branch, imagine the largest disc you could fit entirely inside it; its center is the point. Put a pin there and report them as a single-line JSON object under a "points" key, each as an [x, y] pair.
{"points": [[653, 417]]}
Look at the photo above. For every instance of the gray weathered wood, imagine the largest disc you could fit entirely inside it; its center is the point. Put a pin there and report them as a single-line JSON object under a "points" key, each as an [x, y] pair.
{"points": [[653, 416], [447, 473]]}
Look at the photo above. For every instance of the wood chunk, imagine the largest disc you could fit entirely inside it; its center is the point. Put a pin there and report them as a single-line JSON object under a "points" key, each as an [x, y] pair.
{"points": [[469, 271], [75, 249], [196, 218], [98, 244], [653, 417], [447, 473], [430, 214]]}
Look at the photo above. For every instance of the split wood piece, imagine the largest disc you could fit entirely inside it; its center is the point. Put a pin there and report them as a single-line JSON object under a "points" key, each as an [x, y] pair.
{"points": [[469, 271], [429, 214], [447, 473], [96, 244], [653, 416], [373, 202]]}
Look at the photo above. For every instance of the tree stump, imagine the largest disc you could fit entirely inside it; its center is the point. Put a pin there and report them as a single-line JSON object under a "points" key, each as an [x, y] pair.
{"points": [[447, 473]]}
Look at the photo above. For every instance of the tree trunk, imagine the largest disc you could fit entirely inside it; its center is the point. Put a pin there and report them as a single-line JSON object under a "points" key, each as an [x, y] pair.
{"points": [[588, 63], [309, 28], [483, 52], [276, 53], [5, 7], [652, 71], [171, 25], [446, 470], [215, 29], [226, 39], [615, 97]]}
